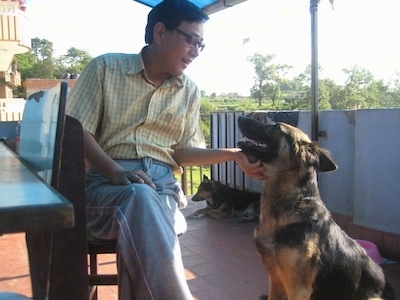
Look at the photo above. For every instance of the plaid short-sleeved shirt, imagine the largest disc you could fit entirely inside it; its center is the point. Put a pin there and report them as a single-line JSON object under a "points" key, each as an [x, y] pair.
{"points": [[129, 117]]}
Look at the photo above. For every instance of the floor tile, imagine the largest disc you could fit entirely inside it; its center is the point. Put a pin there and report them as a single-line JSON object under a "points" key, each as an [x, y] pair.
{"points": [[220, 261]]}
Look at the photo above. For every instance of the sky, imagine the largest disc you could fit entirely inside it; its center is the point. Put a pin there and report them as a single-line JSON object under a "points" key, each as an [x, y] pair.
{"points": [[361, 33]]}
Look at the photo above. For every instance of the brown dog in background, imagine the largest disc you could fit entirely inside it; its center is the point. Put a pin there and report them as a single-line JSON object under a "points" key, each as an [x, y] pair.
{"points": [[305, 253], [226, 202]]}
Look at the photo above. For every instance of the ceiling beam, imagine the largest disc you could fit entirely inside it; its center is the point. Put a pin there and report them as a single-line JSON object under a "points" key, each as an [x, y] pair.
{"points": [[220, 5]]}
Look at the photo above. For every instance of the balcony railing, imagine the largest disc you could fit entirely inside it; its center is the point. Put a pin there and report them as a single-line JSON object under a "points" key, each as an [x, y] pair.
{"points": [[12, 79], [364, 143]]}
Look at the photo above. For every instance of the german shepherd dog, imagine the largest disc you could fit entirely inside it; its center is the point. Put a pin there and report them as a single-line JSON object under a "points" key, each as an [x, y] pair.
{"points": [[226, 202], [304, 252]]}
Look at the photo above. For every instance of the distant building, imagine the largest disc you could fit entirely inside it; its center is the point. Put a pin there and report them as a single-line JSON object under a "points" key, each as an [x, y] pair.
{"points": [[13, 40], [31, 86]]}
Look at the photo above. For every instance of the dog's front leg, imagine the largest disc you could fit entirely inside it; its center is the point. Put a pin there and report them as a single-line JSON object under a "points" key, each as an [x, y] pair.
{"points": [[300, 294], [199, 213], [275, 291], [221, 213]]}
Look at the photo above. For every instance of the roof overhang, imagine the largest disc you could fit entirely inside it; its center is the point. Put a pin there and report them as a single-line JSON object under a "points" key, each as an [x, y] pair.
{"points": [[208, 6]]}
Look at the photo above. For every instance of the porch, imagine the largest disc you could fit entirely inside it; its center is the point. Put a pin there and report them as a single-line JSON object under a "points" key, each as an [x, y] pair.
{"points": [[219, 257]]}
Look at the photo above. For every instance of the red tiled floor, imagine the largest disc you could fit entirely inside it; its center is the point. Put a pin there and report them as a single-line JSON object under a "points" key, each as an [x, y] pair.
{"points": [[219, 257]]}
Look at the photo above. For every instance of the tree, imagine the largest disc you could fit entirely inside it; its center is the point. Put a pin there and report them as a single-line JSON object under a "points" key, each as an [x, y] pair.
{"points": [[42, 48], [327, 90], [325, 87], [44, 66], [356, 84], [393, 96], [277, 73], [40, 63], [268, 77], [261, 74], [26, 65], [375, 94], [72, 63]]}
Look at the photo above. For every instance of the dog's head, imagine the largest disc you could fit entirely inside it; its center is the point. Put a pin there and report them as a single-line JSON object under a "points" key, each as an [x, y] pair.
{"points": [[205, 191], [282, 146]]}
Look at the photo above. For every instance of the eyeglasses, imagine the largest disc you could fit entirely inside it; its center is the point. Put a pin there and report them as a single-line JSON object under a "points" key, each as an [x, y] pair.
{"points": [[192, 41]]}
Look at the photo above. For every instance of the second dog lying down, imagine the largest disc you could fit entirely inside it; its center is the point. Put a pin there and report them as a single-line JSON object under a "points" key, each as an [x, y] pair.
{"points": [[226, 202]]}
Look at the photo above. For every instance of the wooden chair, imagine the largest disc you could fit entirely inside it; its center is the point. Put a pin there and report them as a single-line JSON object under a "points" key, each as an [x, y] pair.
{"points": [[96, 247], [73, 149], [72, 185], [52, 144], [62, 164]]}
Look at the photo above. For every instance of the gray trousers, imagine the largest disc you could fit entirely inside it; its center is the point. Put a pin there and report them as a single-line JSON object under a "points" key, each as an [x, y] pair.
{"points": [[143, 220]]}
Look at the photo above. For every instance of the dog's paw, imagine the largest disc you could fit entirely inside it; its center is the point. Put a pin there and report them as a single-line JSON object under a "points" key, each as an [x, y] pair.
{"points": [[195, 216], [215, 214], [198, 214], [248, 219]]}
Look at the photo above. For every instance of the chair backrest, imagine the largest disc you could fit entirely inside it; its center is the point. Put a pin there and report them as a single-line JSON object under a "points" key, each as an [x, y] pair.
{"points": [[42, 130], [52, 144], [70, 245]]}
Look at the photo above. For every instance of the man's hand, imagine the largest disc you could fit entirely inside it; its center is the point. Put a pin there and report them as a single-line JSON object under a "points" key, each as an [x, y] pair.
{"points": [[251, 168], [98, 160], [127, 177]]}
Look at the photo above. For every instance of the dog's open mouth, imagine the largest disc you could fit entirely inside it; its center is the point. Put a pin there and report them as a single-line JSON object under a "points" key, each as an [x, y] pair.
{"points": [[256, 141], [261, 146], [253, 149]]}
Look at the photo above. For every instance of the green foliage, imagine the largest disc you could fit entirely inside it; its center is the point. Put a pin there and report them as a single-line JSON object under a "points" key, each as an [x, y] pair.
{"points": [[207, 106], [40, 63], [72, 63], [271, 89], [268, 78], [194, 176], [26, 64]]}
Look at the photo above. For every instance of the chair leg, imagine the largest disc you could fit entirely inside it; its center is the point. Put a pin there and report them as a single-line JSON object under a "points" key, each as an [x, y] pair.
{"points": [[93, 270], [93, 293], [39, 245]]}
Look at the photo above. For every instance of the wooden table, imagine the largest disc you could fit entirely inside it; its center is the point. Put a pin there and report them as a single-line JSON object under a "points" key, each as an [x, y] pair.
{"points": [[27, 203]]}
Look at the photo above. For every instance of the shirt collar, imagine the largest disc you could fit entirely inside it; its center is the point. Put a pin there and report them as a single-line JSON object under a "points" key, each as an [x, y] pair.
{"points": [[138, 66]]}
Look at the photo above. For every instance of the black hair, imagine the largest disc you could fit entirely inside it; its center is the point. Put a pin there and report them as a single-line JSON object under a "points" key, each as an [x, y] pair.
{"points": [[172, 13]]}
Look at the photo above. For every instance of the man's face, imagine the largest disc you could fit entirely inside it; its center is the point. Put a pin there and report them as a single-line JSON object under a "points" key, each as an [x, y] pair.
{"points": [[181, 46]]}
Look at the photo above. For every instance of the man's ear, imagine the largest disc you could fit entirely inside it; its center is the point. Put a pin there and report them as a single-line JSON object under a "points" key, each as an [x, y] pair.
{"points": [[158, 31]]}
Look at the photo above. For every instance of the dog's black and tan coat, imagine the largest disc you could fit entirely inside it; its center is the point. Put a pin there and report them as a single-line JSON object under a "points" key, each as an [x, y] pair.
{"points": [[305, 253], [226, 202]]}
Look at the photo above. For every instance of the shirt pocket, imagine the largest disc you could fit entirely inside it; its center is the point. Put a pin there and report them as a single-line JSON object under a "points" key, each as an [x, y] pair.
{"points": [[166, 130]]}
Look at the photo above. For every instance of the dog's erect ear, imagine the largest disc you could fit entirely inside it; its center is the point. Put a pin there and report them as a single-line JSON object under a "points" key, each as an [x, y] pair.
{"points": [[310, 154], [326, 164], [205, 178]]}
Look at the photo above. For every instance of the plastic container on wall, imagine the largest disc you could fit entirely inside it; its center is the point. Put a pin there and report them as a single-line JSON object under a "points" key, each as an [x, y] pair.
{"points": [[38, 128]]}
